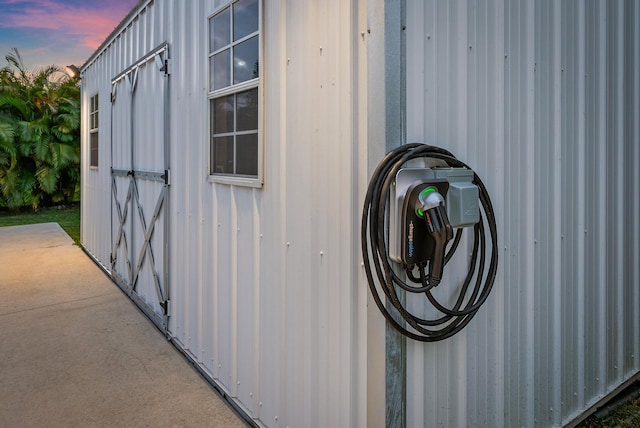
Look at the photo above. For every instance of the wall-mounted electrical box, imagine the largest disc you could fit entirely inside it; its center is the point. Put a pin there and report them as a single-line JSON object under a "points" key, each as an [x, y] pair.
{"points": [[409, 241]]}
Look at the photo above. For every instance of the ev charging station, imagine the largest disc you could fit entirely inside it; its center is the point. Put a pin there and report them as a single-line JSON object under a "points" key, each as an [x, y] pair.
{"points": [[408, 224]]}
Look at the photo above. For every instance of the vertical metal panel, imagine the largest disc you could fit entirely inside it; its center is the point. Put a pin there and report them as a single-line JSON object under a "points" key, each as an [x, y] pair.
{"points": [[373, 128], [262, 294], [542, 99], [95, 182]]}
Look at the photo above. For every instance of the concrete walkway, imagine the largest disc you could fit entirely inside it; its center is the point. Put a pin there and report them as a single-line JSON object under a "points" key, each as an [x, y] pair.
{"points": [[75, 352]]}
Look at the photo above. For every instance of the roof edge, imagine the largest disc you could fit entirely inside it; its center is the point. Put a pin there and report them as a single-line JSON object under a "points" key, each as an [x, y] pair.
{"points": [[133, 13]]}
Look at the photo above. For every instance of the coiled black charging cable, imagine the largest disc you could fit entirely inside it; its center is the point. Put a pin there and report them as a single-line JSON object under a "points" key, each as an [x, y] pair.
{"points": [[374, 238]]}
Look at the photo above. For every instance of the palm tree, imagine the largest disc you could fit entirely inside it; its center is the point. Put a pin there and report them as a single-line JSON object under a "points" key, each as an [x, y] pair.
{"points": [[39, 135]]}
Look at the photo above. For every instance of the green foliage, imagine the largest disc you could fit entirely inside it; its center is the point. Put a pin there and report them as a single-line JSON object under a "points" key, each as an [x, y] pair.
{"points": [[39, 135]]}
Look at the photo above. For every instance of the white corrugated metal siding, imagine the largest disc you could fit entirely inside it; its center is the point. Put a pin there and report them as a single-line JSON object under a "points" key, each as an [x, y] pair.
{"points": [[263, 281], [541, 98], [144, 31], [95, 182], [262, 278], [267, 296]]}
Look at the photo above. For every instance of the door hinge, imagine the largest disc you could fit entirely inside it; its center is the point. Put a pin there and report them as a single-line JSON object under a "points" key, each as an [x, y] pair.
{"points": [[166, 307], [163, 65]]}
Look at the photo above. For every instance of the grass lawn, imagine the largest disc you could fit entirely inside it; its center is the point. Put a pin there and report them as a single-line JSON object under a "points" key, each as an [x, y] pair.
{"points": [[622, 411], [68, 218]]}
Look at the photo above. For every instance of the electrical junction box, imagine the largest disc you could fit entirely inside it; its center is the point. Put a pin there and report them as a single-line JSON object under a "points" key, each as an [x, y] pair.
{"points": [[407, 243], [462, 199]]}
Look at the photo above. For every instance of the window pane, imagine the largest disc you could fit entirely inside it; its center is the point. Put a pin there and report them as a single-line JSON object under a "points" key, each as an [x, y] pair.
{"points": [[222, 110], [93, 149], [220, 30], [245, 60], [247, 154], [245, 18], [247, 110], [218, 3], [222, 153], [220, 70]]}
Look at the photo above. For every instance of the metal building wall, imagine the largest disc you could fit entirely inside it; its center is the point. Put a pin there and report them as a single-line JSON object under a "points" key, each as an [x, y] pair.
{"points": [[140, 33], [95, 228], [264, 280], [542, 99], [264, 291]]}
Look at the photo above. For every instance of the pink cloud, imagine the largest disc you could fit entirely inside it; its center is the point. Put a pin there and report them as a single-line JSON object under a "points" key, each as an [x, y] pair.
{"points": [[88, 26]]}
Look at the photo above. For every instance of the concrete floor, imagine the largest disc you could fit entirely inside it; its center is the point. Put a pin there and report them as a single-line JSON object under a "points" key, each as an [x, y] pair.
{"points": [[75, 352]]}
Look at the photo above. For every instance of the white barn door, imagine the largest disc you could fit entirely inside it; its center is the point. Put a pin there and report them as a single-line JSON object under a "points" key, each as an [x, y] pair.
{"points": [[140, 183]]}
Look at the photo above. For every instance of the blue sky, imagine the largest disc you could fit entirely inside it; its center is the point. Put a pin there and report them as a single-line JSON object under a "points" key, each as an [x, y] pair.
{"points": [[57, 32]]}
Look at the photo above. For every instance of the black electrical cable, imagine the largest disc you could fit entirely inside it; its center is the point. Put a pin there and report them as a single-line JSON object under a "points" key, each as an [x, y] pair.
{"points": [[380, 270]]}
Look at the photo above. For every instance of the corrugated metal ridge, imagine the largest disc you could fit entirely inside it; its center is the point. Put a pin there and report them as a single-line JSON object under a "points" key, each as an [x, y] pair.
{"points": [[142, 4]]}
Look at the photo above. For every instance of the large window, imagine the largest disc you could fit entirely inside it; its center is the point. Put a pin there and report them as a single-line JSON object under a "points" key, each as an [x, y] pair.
{"points": [[234, 93], [93, 131]]}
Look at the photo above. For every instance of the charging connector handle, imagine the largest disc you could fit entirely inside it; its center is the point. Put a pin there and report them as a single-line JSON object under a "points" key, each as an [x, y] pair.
{"points": [[441, 232], [430, 205]]}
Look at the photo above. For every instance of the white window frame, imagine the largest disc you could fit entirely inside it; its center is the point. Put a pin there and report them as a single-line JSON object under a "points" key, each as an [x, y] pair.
{"points": [[239, 180], [94, 118]]}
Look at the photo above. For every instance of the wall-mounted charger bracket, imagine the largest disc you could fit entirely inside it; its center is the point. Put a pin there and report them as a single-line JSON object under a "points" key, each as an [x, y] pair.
{"points": [[408, 238]]}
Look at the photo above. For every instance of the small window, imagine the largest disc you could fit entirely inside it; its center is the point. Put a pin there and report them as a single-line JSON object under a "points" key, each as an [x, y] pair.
{"points": [[93, 131], [234, 93]]}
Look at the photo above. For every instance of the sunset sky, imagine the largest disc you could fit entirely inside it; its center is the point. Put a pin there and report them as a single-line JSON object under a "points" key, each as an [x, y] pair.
{"points": [[60, 32]]}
